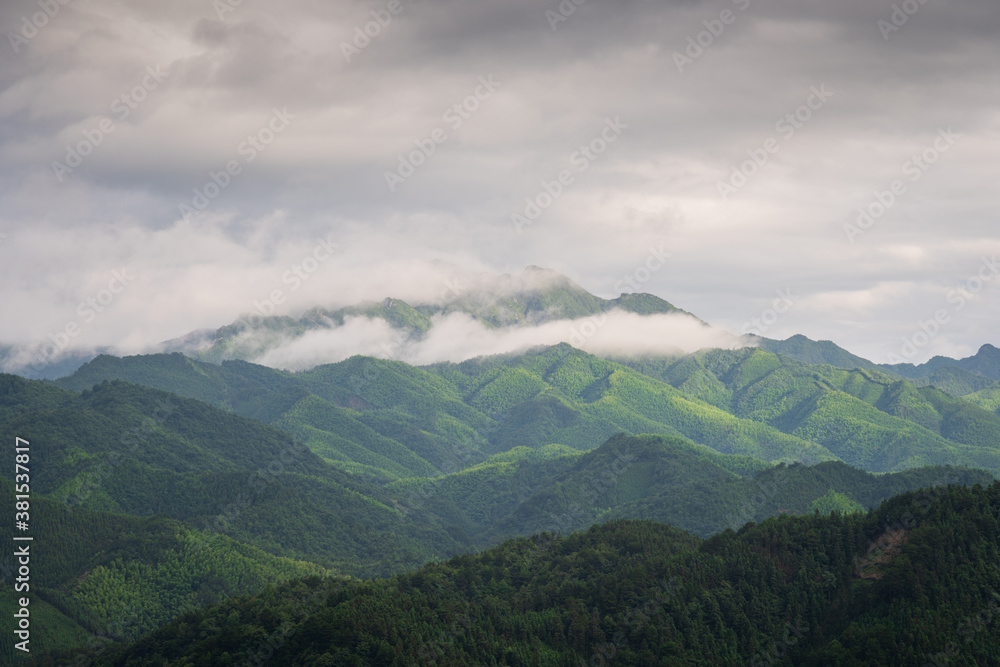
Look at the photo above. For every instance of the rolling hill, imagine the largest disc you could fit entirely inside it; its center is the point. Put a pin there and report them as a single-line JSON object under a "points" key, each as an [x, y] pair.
{"points": [[99, 577], [147, 495], [388, 420], [912, 582]]}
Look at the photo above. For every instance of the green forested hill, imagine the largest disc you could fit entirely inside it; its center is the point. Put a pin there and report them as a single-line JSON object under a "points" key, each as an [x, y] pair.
{"points": [[120, 453], [380, 418], [387, 420], [133, 450], [128, 449], [452, 416], [988, 399], [955, 380], [821, 352], [985, 363], [98, 577], [913, 582], [163, 483], [864, 417], [661, 478], [956, 376]]}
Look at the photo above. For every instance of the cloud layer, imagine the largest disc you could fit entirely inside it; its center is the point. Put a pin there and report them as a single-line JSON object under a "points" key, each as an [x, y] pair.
{"points": [[456, 337], [821, 121]]}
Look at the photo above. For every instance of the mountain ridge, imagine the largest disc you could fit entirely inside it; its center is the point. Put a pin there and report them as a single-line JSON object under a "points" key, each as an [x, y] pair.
{"points": [[532, 298]]}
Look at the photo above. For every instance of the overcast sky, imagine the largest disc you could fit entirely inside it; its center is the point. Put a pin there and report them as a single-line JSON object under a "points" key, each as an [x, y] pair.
{"points": [[112, 114]]}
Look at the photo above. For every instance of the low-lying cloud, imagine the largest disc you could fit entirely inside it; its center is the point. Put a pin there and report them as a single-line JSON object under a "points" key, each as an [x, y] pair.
{"points": [[456, 337]]}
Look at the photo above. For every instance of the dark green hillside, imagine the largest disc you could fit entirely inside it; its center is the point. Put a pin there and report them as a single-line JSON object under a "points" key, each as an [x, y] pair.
{"points": [[384, 419], [115, 456], [691, 487], [99, 577], [132, 450], [913, 582], [672, 480], [117, 421], [128, 449]]}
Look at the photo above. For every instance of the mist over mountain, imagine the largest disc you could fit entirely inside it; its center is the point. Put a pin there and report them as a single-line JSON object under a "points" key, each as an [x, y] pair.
{"points": [[482, 315], [473, 316], [366, 440], [506, 314]]}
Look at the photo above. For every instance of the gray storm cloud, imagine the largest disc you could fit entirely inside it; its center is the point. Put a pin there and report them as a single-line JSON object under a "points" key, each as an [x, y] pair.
{"points": [[115, 116]]}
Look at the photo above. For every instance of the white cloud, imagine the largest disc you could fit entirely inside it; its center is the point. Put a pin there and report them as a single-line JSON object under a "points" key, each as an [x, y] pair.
{"points": [[456, 337]]}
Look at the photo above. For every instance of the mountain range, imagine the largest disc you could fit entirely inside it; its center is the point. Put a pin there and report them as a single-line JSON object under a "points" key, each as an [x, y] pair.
{"points": [[172, 485], [527, 300]]}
